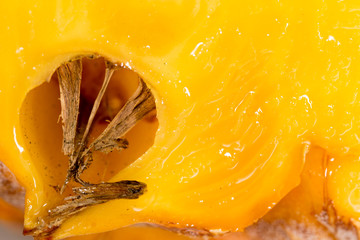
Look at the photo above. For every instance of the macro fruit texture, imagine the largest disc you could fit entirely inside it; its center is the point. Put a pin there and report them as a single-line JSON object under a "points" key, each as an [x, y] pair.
{"points": [[242, 89]]}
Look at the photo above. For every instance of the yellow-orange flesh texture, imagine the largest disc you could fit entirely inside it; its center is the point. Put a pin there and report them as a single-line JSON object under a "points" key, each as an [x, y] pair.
{"points": [[296, 216], [10, 214], [242, 88]]}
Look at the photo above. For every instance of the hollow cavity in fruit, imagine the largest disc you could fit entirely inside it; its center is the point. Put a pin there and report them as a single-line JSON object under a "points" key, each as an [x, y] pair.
{"points": [[96, 119]]}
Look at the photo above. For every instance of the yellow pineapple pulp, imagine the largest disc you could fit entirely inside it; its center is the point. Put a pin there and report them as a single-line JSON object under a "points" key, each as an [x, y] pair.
{"points": [[243, 90]]}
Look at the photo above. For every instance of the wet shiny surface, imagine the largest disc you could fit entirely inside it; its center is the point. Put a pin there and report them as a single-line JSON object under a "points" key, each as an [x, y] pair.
{"points": [[242, 88]]}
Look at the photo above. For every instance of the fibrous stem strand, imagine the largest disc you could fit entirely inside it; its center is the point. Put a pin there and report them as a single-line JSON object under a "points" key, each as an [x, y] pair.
{"points": [[75, 144], [86, 197]]}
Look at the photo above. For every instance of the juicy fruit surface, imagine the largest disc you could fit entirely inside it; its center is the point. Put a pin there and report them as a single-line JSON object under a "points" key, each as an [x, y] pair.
{"points": [[304, 213], [242, 89]]}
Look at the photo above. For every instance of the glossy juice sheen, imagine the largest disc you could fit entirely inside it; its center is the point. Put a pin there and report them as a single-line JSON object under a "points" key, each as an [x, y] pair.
{"points": [[242, 88]]}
